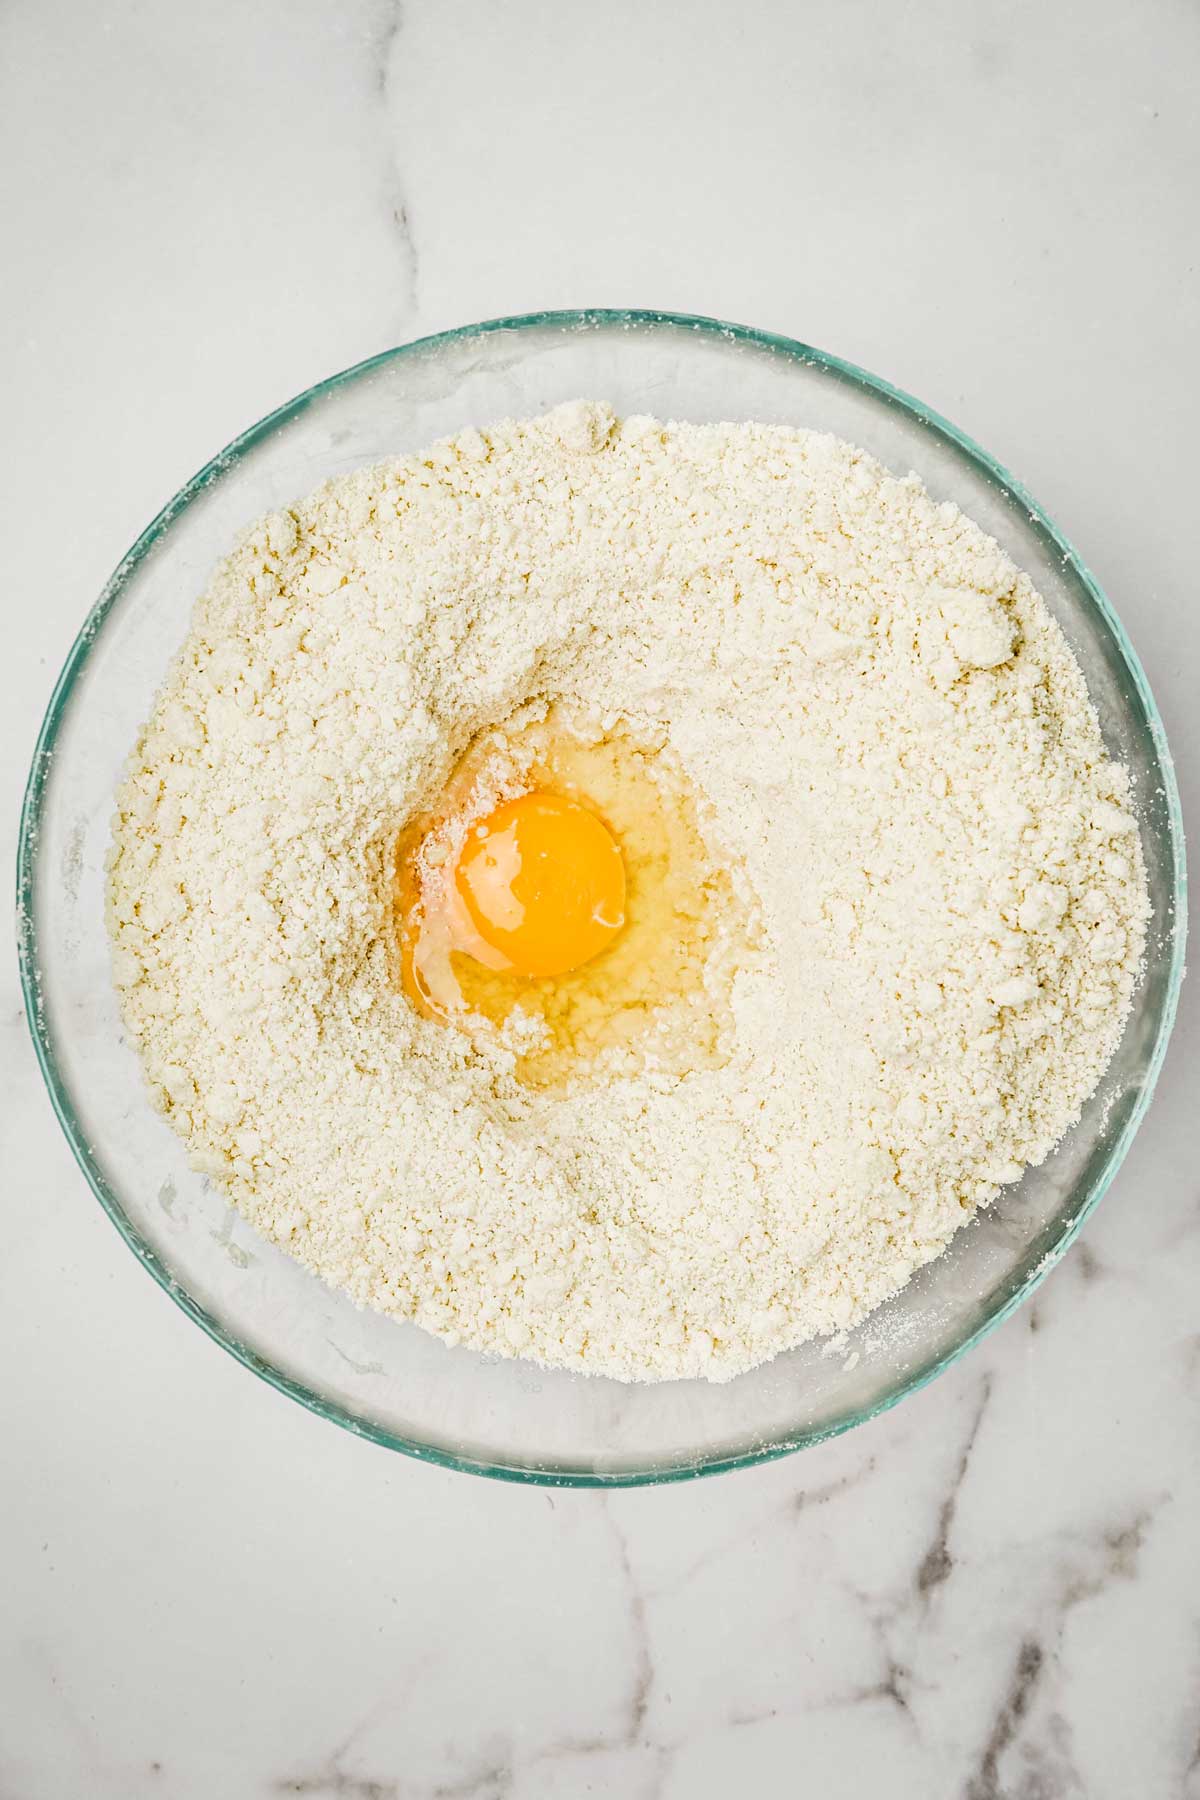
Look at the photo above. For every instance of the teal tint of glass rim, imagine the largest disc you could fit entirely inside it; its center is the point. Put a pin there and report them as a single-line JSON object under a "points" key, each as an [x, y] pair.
{"points": [[1042, 1255]]}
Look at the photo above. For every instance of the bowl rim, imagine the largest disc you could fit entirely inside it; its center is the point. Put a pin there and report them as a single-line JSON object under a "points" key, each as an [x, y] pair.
{"points": [[576, 1474]]}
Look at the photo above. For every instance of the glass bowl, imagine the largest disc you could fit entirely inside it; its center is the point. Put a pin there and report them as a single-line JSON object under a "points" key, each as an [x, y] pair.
{"points": [[392, 1382]]}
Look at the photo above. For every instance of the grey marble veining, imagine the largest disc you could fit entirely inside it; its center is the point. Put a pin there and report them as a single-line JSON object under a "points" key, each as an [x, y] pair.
{"points": [[992, 1593]]}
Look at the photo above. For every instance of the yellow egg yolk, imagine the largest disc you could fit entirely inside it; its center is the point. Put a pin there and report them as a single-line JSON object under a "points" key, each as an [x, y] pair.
{"points": [[543, 882]]}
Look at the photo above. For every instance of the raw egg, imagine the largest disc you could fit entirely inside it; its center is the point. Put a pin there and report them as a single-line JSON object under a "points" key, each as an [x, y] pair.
{"points": [[558, 901]]}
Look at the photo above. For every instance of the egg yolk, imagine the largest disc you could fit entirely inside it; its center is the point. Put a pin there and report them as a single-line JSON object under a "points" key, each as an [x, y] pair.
{"points": [[543, 882]]}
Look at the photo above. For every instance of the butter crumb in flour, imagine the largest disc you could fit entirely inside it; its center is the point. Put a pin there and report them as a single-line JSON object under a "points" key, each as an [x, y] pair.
{"points": [[930, 911]]}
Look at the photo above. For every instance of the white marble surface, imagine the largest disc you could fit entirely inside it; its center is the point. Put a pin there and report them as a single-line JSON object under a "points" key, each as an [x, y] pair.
{"points": [[992, 1593]]}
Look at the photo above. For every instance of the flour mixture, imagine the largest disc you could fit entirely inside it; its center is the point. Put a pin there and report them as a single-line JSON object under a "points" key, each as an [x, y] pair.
{"points": [[833, 904]]}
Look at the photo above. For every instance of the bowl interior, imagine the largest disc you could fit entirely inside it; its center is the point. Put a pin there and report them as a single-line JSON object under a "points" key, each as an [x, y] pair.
{"points": [[391, 1381]]}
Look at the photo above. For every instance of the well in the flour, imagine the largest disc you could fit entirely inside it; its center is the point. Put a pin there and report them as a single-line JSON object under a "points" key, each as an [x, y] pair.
{"points": [[561, 898]]}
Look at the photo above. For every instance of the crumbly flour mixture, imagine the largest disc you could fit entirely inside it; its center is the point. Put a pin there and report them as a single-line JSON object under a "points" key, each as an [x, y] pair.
{"points": [[900, 771]]}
